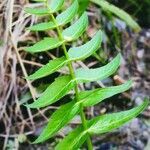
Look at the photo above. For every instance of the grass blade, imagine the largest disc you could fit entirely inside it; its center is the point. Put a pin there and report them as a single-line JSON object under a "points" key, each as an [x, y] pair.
{"points": [[118, 12]]}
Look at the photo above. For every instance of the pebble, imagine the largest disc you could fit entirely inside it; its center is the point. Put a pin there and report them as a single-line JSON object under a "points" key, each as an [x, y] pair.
{"points": [[140, 53], [138, 101], [134, 125]]}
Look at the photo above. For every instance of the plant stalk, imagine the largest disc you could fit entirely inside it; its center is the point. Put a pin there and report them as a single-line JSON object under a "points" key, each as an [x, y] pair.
{"points": [[72, 73]]}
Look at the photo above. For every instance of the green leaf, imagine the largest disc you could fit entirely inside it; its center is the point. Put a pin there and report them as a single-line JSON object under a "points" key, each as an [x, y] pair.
{"points": [[88, 75], [99, 125], [118, 12], [74, 140], [76, 30], [60, 87], [44, 45], [107, 123], [37, 11], [55, 5], [42, 26], [61, 19], [49, 68], [92, 97], [68, 14], [83, 5], [58, 120], [84, 51]]}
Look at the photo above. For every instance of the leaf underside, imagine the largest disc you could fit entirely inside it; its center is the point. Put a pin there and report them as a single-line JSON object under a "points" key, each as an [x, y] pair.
{"points": [[55, 5], [88, 75], [61, 19], [64, 84], [92, 97], [37, 11], [66, 112], [49, 68], [75, 53], [68, 14], [58, 120], [60, 87], [82, 52], [44, 45], [108, 122], [76, 30], [99, 125]]}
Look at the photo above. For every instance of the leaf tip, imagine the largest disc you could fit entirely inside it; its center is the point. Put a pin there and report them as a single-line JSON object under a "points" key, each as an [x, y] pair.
{"points": [[30, 105], [30, 77], [118, 58], [26, 9], [119, 55], [37, 141], [27, 28], [129, 83], [146, 102], [28, 49]]}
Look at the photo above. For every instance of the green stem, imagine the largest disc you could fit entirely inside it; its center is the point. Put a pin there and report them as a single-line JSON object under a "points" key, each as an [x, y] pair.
{"points": [[82, 115]]}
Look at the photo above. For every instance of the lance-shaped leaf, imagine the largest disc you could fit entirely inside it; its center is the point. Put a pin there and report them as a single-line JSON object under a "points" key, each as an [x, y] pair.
{"points": [[42, 26], [92, 97], [58, 120], [60, 87], [87, 75], [99, 125], [68, 15], [84, 51], [83, 5], [55, 5], [77, 29], [108, 122], [118, 12], [61, 19], [74, 140], [37, 11], [49, 68], [44, 45]]}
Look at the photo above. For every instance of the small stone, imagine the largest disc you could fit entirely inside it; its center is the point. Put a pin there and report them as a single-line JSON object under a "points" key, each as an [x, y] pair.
{"points": [[138, 101], [134, 125], [40, 57], [148, 34], [140, 53], [140, 144], [146, 134], [121, 25], [103, 110], [142, 39], [88, 86]]}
